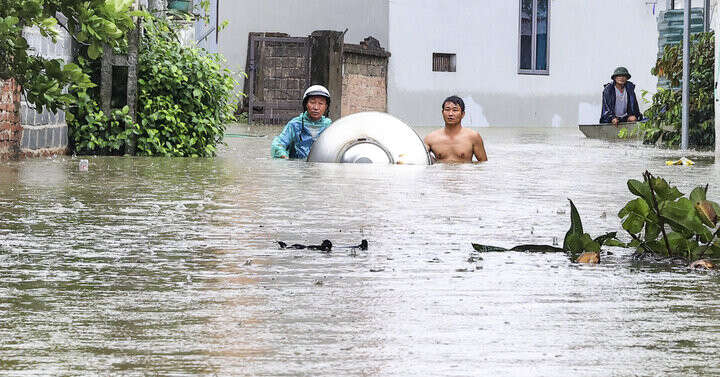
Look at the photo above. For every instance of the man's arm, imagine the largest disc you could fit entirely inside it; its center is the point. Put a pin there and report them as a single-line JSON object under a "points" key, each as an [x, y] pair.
{"points": [[479, 148], [608, 112], [282, 142], [427, 144]]}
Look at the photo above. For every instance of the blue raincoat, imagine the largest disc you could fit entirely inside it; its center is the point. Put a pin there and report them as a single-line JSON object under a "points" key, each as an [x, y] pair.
{"points": [[298, 136]]}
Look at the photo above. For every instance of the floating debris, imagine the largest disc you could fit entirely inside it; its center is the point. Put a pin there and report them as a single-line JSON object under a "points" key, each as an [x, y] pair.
{"points": [[683, 162], [84, 165], [325, 246], [589, 258], [702, 264]]}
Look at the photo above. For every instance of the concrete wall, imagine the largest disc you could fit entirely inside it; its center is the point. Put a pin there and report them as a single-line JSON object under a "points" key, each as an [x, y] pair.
{"points": [[44, 132], [585, 45], [298, 18]]}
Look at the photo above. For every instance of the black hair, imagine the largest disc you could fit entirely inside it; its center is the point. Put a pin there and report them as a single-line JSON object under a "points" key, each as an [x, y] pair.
{"points": [[456, 100]]}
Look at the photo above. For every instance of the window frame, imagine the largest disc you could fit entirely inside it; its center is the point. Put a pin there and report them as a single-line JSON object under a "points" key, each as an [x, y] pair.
{"points": [[452, 61], [533, 43]]}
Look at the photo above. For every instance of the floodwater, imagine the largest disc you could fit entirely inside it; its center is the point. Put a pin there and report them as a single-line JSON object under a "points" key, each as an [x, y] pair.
{"points": [[159, 266]]}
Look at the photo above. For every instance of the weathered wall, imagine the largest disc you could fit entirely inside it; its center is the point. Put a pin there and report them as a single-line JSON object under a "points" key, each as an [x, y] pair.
{"points": [[281, 76], [44, 132], [326, 67], [364, 79], [584, 48], [716, 27], [297, 18], [10, 128]]}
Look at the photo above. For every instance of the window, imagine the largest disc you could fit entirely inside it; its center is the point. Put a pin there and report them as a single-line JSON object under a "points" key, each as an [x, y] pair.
{"points": [[534, 17], [443, 62]]}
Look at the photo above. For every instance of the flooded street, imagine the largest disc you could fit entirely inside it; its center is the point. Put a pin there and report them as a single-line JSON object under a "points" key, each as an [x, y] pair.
{"points": [[145, 266]]}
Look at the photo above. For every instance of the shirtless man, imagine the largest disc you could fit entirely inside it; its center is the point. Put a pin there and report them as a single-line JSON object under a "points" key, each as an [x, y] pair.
{"points": [[455, 143]]}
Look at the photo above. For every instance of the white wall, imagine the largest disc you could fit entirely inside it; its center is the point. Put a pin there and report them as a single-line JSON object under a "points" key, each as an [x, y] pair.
{"points": [[586, 42], [298, 18]]}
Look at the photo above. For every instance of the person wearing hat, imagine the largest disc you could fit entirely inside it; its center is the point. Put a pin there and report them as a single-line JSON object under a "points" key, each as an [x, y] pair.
{"points": [[301, 132], [619, 103]]}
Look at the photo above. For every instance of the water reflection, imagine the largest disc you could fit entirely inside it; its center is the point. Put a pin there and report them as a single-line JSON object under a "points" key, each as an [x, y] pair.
{"points": [[169, 266]]}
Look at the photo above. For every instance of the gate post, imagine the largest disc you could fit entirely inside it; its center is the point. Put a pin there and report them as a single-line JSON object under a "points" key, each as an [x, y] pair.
{"points": [[110, 60], [10, 128], [327, 62]]}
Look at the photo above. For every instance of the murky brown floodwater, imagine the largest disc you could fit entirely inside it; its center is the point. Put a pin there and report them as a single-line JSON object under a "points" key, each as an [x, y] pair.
{"points": [[146, 266]]}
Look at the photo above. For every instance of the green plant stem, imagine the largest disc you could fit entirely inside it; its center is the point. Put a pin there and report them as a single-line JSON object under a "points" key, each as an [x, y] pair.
{"points": [[648, 177], [642, 244], [707, 246]]}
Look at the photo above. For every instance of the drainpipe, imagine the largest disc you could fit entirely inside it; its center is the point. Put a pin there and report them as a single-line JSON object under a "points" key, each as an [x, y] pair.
{"points": [[686, 78]]}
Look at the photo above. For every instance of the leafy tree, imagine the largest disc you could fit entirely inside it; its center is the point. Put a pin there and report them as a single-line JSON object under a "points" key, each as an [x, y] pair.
{"points": [[665, 113], [91, 23], [185, 98]]}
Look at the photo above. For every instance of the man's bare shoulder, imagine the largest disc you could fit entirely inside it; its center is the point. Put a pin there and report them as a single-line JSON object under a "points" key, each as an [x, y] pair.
{"points": [[472, 135], [434, 135]]}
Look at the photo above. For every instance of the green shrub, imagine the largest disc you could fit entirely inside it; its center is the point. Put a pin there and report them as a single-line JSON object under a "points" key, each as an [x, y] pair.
{"points": [[665, 113], [185, 98], [92, 23]]}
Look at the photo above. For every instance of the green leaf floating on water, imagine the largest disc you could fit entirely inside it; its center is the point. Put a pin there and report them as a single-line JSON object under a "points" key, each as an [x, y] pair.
{"points": [[581, 243], [525, 248], [487, 248], [576, 228], [635, 214], [605, 238], [537, 249], [683, 213]]}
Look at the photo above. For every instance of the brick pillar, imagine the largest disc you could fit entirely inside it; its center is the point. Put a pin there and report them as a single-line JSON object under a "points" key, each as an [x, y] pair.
{"points": [[10, 128], [327, 61]]}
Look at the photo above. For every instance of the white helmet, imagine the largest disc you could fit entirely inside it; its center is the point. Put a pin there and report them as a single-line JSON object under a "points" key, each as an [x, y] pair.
{"points": [[316, 90]]}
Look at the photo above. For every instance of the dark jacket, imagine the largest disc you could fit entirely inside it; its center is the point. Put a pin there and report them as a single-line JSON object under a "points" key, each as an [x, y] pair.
{"points": [[608, 102]]}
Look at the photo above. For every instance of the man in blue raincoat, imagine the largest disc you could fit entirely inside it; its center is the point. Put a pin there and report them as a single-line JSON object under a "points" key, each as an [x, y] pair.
{"points": [[301, 132], [619, 103]]}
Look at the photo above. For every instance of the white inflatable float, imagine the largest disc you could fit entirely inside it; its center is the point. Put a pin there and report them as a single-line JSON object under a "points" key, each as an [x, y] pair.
{"points": [[370, 138]]}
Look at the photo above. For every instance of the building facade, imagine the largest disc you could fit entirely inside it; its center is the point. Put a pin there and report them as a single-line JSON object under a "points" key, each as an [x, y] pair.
{"points": [[515, 62]]}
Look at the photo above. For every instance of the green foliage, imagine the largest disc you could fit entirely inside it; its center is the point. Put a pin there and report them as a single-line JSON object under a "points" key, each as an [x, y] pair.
{"points": [[91, 23], [673, 224], [185, 98], [665, 113], [577, 242]]}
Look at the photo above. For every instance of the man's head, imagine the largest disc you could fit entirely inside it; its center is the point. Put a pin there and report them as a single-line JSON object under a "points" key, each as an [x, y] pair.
{"points": [[453, 110], [316, 101], [621, 75]]}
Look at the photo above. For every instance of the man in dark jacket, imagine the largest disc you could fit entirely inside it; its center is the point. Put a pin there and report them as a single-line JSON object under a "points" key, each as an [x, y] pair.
{"points": [[619, 103]]}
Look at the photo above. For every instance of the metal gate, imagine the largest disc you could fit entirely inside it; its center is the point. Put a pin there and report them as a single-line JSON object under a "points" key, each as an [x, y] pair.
{"points": [[278, 72]]}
